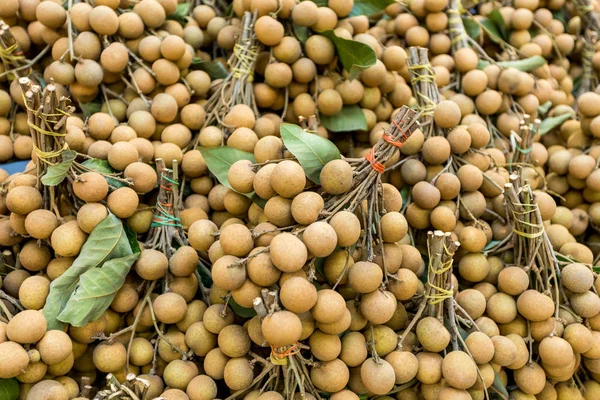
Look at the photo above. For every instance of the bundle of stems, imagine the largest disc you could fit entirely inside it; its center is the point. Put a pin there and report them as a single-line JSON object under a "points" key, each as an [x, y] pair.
{"points": [[589, 78], [47, 115], [133, 388], [522, 142], [425, 90], [588, 16], [532, 248], [15, 63], [237, 87]]}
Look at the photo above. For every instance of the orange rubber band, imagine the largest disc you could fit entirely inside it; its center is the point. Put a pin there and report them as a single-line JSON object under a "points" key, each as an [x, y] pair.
{"points": [[392, 141], [377, 166], [290, 351], [404, 135]]}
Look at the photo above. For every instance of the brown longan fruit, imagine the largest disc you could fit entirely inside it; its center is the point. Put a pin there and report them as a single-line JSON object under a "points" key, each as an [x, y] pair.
{"points": [[320, 239], [336, 177], [169, 308], [236, 240], [26, 327], [447, 114], [123, 202], [535, 306], [68, 239], [90, 215], [51, 14], [23, 199], [320, 49], [152, 13], [459, 370], [151, 265], [436, 150], [33, 292], [288, 179], [40, 224], [104, 20], [164, 106], [90, 187], [304, 14], [54, 347], [268, 30], [143, 176], [110, 357]]}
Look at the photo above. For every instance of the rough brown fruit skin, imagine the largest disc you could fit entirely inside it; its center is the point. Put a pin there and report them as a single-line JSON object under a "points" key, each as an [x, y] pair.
{"points": [[238, 373], [170, 308], [14, 359], [365, 277], [40, 224], [288, 253], [28, 326], [110, 357], [459, 370], [48, 390], [432, 335], [33, 292], [282, 328], [91, 187], [151, 265], [54, 347], [23, 199], [68, 239], [535, 306], [336, 177], [378, 306], [298, 295], [379, 378], [330, 306], [330, 376], [202, 387]]}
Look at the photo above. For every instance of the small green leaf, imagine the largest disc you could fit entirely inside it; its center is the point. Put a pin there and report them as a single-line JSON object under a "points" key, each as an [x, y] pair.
{"points": [[404, 192], [351, 118], [88, 109], [320, 266], [103, 167], [543, 109], [9, 389], [301, 32], [311, 150], [58, 172], [499, 386], [241, 311], [181, 13], [96, 290], [550, 123], [369, 7], [496, 17], [220, 159], [319, 3], [107, 240], [560, 15], [492, 31], [132, 239], [491, 245], [215, 70], [525, 65], [353, 55], [472, 28]]}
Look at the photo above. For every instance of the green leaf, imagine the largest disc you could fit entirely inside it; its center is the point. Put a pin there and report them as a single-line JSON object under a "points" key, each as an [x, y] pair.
{"points": [[9, 389], [496, 17], [353, 55], [492, 31], [320, 265], [103, 167], [181, 13], [241, 311], [90, 108], [301, 32], [220, 159], [96, 290], [543, 109], [499, 386], [351, 118], [472, 28], [311, 150], [525, 65], [58, 172], [215, 70], [404, 193], [550, 123], [107, 240], [560, 15], [319, 3], [132, 239], [491, 245], [369, 7]]}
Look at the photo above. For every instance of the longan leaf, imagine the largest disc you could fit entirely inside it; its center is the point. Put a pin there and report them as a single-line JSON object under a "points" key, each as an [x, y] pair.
{"points": [[58, 172], [492, 31], [215, 70], [108, 240], [543, 109], [311, 150], [499, 387], [181, 12], [550, 123], [353, 55], [96, 290], [472, 28], [103, 167], [301, 32], [351, 118], [369, 7], [220, 159], [496, 17], [9, 389], [241, 311], [88, 109]]}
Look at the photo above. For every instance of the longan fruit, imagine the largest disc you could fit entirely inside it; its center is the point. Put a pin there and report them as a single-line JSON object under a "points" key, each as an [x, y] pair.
{"points": [[169, 308], [33, 292], [68, 239], [288, 179], [90, 187], [23, 199], [304, 14], [143, 175], [50, 14], [40, 224], [320, 49], [152, 12], [336, 177], [26, 327], [151, 265], [268, 30]]}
